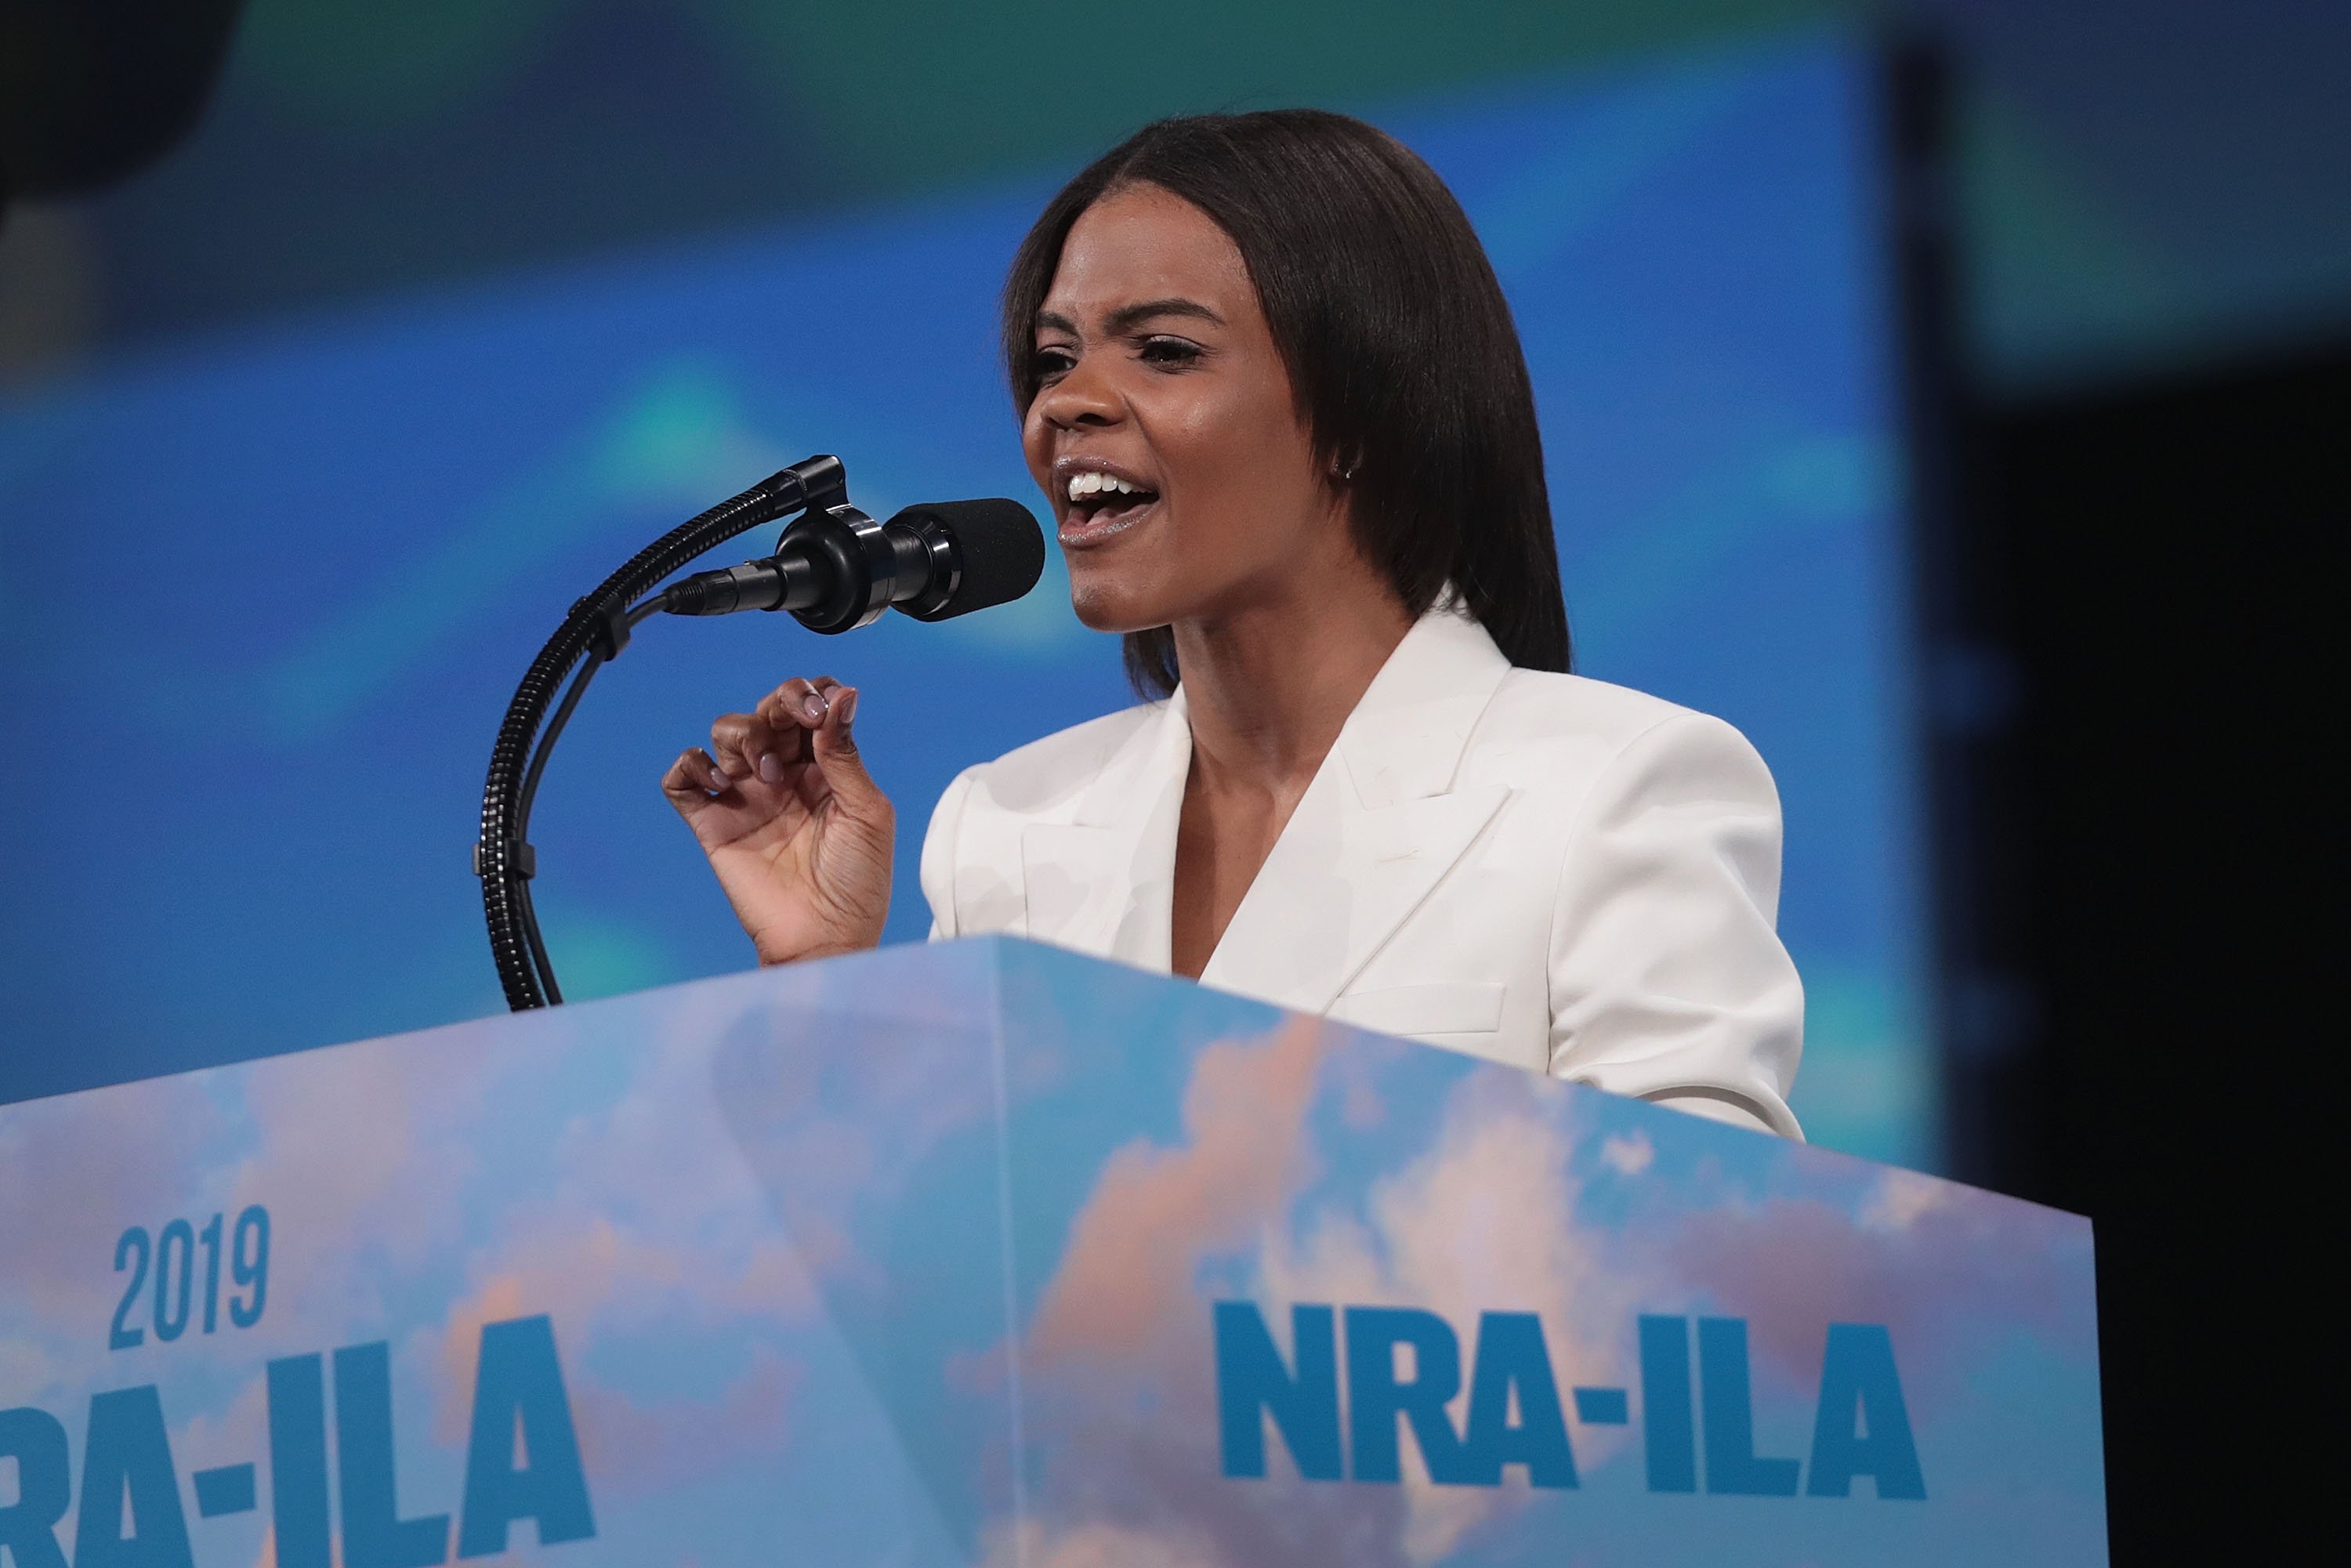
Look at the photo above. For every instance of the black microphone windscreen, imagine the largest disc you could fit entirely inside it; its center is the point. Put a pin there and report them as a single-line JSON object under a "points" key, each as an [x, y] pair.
{"points": [[1001, 548]]}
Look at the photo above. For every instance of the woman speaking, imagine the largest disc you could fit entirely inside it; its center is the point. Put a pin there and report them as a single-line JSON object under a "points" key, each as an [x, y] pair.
{"points": [[1270, 385]]}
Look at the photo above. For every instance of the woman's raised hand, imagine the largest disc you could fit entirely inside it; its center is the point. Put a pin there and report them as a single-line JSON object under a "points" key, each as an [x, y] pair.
{"points": [[800, 836]]}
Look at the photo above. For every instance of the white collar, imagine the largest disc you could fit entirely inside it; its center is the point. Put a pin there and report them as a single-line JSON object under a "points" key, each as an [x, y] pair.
{"points": [[1379, 824]]}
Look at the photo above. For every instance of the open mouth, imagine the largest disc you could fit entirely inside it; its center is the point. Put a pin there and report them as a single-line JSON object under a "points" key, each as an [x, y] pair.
{"points": [[1100, 503]]}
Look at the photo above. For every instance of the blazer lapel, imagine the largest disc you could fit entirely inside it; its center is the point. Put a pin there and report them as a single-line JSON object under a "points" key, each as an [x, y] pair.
{"points": [[1378, 828], [1105, 883]]}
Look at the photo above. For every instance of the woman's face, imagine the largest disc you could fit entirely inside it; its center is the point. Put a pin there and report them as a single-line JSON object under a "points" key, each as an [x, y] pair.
{"points": [[1182, 476]]}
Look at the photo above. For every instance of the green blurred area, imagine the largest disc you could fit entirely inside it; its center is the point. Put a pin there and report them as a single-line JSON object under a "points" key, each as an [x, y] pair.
{"points": [[2138, 183], [923, 93]]}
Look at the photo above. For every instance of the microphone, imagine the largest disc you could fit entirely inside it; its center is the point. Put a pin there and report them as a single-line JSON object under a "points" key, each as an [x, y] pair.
{"points": [[835, 569]]}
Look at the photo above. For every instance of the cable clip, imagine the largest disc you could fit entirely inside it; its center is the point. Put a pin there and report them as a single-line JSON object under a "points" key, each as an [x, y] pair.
{"points": [[521, 861], [611, 633]]}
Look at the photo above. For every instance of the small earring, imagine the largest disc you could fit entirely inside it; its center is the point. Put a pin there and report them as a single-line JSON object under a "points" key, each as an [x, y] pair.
{"points": [[1347, 474]]}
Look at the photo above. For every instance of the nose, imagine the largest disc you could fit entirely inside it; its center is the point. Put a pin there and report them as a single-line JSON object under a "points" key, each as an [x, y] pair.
{"points": [[1083, 396]]}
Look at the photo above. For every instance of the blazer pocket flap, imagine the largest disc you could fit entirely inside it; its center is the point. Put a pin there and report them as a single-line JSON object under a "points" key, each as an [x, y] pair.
{"points": [[1424, 1010]]}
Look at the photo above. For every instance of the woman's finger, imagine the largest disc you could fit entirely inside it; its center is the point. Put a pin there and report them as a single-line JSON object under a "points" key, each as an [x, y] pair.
{"points": [[728, 735], [691, 780], [798, 703], [764, 752], [844, 766]]}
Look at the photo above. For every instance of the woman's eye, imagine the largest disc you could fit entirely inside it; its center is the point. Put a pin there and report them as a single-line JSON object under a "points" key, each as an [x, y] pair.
{"points": [[1169, 353], [1050, 364]]}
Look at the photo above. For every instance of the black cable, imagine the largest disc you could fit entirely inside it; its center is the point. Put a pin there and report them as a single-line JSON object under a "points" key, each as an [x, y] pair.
{"points": [[546, 739]]}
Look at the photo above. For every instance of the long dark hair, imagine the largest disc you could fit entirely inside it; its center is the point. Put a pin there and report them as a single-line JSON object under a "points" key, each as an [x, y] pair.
{"points": [[1399, 342]]}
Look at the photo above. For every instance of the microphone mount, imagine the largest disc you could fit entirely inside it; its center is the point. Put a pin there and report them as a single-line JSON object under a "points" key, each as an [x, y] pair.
{"points": [[592, 635], [835, 569]]}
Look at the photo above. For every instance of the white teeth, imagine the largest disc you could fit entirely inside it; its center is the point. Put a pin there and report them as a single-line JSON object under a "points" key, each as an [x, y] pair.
{"points": [[1094, 482]]}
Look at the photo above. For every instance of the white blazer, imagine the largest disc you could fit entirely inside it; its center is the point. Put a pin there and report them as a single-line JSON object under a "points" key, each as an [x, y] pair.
{"points": [[1536, 867]]}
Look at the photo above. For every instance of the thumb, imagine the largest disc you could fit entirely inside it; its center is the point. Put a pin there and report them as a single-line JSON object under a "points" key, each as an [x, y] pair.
{"points": [[844, 768]]}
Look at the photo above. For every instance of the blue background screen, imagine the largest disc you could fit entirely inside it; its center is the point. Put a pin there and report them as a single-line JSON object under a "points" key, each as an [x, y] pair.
{"points": [[267, 592]]}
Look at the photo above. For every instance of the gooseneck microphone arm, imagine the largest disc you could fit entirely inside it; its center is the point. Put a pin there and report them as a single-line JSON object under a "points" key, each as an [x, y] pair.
{"points": [[595, 660], [594, 630], [834, 568]]}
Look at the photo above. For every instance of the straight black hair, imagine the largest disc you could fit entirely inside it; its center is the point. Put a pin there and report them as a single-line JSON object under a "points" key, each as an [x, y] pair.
{"points": [[1399, 345]]}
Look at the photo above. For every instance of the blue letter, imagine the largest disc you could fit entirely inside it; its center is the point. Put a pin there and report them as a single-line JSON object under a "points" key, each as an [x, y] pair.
{"points": [[374, 1535], [1858, 1379], [519, 1381], [1668, 1428], [224, 1488], [1250, 1378], [1511, 1354], [127, 1447], [297, 1461], [1374, 1397], [1732, 1465], [1601, 1407], [28, 1527]]}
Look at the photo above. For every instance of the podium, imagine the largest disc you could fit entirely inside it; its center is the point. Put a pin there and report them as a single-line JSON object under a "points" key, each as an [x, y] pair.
{"points": [[985, 1253]]}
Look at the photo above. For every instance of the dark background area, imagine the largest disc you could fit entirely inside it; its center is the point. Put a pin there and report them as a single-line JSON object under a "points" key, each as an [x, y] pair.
{"points": [[2156, 823], [2130, 248], [2132, 828]]}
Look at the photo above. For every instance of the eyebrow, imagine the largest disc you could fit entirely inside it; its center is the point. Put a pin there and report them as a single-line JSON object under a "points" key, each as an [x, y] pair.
{"points": [[1127, 317]]}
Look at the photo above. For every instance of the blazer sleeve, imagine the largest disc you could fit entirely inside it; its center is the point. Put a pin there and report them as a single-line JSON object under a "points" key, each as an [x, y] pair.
{"points": [[1667, 978], [938, 866]]}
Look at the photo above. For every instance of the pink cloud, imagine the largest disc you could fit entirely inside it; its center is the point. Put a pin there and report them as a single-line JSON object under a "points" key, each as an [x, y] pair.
{"points": [[1157, 1211], [648, 1450], [1100, 1545], [593, 1272]]}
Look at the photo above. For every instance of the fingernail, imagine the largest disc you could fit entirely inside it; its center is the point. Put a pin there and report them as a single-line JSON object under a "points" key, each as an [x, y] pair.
{"points": [[812, 706], [847, 704], [719, 782], [770, 769]]}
